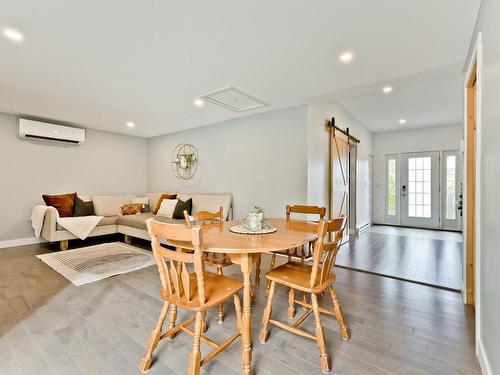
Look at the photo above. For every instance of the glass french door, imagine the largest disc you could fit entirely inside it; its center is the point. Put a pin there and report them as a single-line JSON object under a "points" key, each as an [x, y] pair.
{"points": [[420, 203], [450, 190], [422, 189]]}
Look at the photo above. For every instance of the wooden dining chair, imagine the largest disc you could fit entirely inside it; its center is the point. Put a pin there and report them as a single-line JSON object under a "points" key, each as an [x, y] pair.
{"points": [[216, 260], [193, 291], [312, 279], [302, 252]]}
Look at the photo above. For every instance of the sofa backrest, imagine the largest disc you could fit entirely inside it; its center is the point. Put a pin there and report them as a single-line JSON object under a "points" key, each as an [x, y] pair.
{"points": [[110, 205], [209, 202]]}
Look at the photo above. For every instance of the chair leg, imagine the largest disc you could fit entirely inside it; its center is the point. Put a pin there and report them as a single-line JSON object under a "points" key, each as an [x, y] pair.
{"points": [[304, 300], [264, 332], [320, 337], [154, 339], [172, 319], [204, 326], [237, 309], [271, 267], [220, 312], [257, 271], [291, 303], [337, 310], [195, 356]]}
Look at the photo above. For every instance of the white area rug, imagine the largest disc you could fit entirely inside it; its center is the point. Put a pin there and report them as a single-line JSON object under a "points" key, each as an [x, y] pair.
{"points": [[93, 263]]}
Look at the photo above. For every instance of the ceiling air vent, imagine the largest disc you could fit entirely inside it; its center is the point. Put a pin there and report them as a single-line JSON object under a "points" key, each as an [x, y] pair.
{"points": [[234, 99]]}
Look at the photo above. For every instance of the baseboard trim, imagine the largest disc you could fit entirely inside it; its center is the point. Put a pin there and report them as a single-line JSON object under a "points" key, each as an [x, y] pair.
{"points": [[363, 228], [20, 242], [483, 359]]}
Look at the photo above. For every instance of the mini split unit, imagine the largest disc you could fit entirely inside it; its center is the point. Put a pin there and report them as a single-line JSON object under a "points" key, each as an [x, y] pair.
{"points": [[37, 130]]}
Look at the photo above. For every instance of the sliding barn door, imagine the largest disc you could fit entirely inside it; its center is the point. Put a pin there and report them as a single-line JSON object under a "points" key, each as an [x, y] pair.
{"points": [[339, 204]]}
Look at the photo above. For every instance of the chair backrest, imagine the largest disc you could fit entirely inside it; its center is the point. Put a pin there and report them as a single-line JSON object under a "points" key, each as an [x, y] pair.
{"points": [[172, 264], [325, 253], [301, 209], [205, 217]]}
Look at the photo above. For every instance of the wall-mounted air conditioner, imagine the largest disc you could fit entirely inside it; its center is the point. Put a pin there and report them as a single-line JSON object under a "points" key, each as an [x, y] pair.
{"points": [[30, 129]]}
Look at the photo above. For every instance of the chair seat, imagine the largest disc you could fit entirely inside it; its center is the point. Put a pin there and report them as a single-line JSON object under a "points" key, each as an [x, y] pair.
{"points": [[218, 288], [298, 276]]}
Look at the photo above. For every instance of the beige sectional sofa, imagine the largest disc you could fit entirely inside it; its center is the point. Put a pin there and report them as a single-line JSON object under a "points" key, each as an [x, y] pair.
{"points": [[109, 206]]}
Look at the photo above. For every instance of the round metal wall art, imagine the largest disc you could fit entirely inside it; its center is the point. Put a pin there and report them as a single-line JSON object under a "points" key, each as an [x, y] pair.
{"points": [[184, 161]]}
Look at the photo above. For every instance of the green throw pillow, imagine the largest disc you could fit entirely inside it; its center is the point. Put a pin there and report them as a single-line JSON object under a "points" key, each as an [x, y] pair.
{"points": [[83, 208], [181, 206]]}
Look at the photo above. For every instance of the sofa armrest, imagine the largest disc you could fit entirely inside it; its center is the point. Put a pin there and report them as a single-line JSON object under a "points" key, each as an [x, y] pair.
{"points": [[49, 225]]}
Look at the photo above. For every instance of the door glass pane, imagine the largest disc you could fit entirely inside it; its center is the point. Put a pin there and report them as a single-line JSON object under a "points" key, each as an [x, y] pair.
{"points": [[391, 187], [451, 187], [419, 187]]}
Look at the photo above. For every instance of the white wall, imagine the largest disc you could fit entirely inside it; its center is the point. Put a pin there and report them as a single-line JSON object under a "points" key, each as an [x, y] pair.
{"points": [[437, 138], [488, 334], [317, 157], [105, 163], [260, 159]]}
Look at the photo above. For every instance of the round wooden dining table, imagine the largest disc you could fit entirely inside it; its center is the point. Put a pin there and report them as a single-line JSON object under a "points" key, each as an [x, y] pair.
{"points": [[244, 249]]}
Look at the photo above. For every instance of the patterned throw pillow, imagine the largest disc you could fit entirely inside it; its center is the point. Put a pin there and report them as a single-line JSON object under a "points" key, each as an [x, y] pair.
{"points": [[131, 209], [142, 200], [63, 203], [162, 197]]}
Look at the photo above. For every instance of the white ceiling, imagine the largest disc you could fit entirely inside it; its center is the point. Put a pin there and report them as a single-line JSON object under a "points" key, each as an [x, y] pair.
{"points": [[102, 63], [430, 98]]}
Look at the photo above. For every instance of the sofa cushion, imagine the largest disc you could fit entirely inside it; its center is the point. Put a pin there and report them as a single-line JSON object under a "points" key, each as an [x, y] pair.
{"points": [[135, 221], [139, 221], [107, 220], [110, 205]]}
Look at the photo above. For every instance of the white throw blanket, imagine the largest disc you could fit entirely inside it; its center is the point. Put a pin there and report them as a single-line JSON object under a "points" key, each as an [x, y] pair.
{"points": [[78, 226]]}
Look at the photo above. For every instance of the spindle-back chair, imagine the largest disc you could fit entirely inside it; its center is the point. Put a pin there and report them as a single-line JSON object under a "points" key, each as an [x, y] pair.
{"points": [[312, 279], [193, 291]]}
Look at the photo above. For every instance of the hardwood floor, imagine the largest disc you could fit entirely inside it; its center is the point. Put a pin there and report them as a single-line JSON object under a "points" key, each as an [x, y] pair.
{"points": [[426, 256], [49, 326]]}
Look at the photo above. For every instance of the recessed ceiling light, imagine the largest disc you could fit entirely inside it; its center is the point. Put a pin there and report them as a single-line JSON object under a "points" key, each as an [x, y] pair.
{"points": [[387, 89], [199, 102], [130, 124], [13, 35], [402, 121], [346, 57]]}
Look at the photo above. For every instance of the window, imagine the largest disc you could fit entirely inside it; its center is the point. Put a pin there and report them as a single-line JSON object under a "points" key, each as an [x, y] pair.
{"points": [[451, 187], [391, 187], [419, 187]]}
